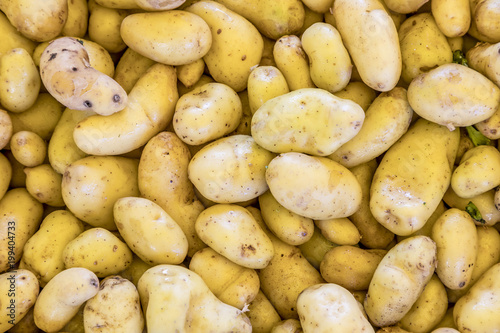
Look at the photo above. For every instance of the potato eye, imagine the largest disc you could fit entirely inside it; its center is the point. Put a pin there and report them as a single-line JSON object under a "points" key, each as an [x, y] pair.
{"points": [[87, 104], [116, 98]]}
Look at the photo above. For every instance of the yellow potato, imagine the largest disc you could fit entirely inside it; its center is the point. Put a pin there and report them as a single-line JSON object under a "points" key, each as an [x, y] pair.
{"points": [[104, 27], [340, 231], [452, 17], [426, 230], [130, 68], [149, 231], [159, 5], [5, 174], [77, 22], [18, 178], [262, 314], [484, 202], [265, 83], [121, 4], [99, 251], [5, 128], [359, 93], [12, 38], [406, 6], [44, 184], [135, 270], [28, 148], [484, 24], [316, 247], [309, 120], [311, 17], [287, 326], [190, 73]]}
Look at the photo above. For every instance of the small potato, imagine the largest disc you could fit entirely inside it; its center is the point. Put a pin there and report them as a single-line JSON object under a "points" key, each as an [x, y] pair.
{"points": [[316, 247], [477, 172], [28, 148], [329, 61], [483, 57], [224, 174], [314, 187], [484, 202], [5, 174], [350, 267], [104, 27], [61, 298], [130, 68], [149, 231], [232, 231], [310, 120], [490, 127], [340, 231], [44, 184], [359, 93], [439, 96], [101, 313], [20, 290], [231, 283], [452, 17], [19, 80], [331, 308], [399, 280], [262, 314], [207, 113], [173, 37], [190, 73], [265, 83], [5, 128]]}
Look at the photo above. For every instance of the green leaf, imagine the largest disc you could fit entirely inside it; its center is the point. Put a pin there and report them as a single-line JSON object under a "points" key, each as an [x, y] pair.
{"points": [[477, 137], [459, 58], [474, 212]]}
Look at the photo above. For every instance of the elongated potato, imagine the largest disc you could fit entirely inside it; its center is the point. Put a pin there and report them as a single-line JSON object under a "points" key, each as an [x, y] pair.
{"points": [[66, 73], [340, 231], [452, 17], [28, 148], [77, 22], [262, 314], [130, 68], [265, 83], [405, 6]]}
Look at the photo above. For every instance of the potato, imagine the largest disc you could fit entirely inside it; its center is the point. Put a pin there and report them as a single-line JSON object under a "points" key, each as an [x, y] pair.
{"points": [[313, 187], [445, 330], [91, 186], [175, 297], [477, 172], [101, 313], [61, 298], [292, 61], [316, 247], [309, 120], [18, 177], [350, 267], [44, 184], [5, 174], [19, 292], [288, 226], [20, 217], [135, 270], [428, 309], [370, 36], [490, 127], [5, 128], [426, 230], [99, 251], [232, 231], [190, 73], [40, 21], [130, 68], [340, 231], [149, 231], [483, 57], [42, 253], [173, 37], [485, 17], [159, 5], [28, 148], [19, 80], [386, 120], [484, 203], [208, 112], [452, 17], [231, 283], [401, 202], [69, 78], [262, 314], [426, 94], [357, 92], [329, 61], [330, 308], [404, 7], [265, 83], [77, 22], [12, 38], [399, 280], [287, 326], [121, 4], [151, 104], [421, 57], [477, 310], [104, 27], [224, 174], [26, 324]]}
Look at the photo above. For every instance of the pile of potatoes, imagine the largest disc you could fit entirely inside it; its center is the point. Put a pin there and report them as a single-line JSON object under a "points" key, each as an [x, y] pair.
{"points": [[250, 166]]}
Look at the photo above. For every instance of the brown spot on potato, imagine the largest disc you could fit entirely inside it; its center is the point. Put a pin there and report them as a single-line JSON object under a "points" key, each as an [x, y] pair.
{"points": [[53, 56]]}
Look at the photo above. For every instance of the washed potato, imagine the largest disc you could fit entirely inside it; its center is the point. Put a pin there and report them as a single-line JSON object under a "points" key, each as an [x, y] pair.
{"points": [[5, 128], [5, 174], [13, 37], [190, 73], [262, 314], [484, 21], [77, 22], [28, 148], [315, 249], [484, 204], [265, 83], [130, 68], [44, 184], [405, 7], [340, 231], [104, 27], [452, 18]]}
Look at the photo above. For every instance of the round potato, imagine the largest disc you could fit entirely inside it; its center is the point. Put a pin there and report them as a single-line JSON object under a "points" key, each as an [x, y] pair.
{"points": [[44, 184], [28, 148]]}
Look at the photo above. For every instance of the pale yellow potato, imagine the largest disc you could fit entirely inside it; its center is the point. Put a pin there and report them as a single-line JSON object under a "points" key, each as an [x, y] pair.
{"points": [[396, 17], [311, 17], [478, 310], [331, 308], [175, 297], [207, 113], [420, 57], [483, 57], [316, 247], [121, 4], [350, 267], [44, 184], [262, 314], [159, 5], [61, 298], [231, 283], [274, 19], [190, 73], [288, 226], [452, 17], [115, 307], [477, 172], [42, 253], [453, 95], [19, 80], [455, 236], [149, 231], [41, 118], [28, 148], [370, 36], [456, 43], [386, 120], [404, 7], [20, 290], [309, 120], [224, 174], [398, 200], [426, 230], [340, 231], [287, 326], [151, 105], [91, 186], [314, 187], [399, 280], [447, 321], [130, 68], [359, 93], [38, 21], [12, 38], [99, 251], [232, 231], [104, 27], [329, 61], [490, 127], [5, 174], [293, 63], [265, 83], [77, 22], [428, 309], [69, 77], [135, 270], [163, 179], [485, 203], [18, 177], [6, 128], [485, 21]]}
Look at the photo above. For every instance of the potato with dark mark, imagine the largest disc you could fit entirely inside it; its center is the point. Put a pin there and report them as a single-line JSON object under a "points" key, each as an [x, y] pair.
{"points": [[66, 73]]}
